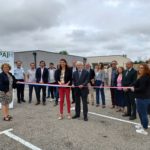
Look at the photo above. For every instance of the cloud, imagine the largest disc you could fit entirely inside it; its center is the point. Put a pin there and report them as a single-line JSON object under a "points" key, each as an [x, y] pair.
{"points": [[29, 16], [86, 28]]}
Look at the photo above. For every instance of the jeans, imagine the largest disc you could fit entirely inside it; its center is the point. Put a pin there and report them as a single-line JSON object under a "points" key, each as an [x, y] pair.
{"points": [[142, 108], [99, 91]]}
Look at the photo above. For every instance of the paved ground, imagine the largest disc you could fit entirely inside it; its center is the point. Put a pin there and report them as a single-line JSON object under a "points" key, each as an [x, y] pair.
{"points": [[39, 126]]}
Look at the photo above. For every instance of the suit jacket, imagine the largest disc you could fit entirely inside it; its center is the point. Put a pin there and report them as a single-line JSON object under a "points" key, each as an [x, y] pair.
{"points": [[67, 78], [82, 80], [45, 75], [130, 78], [4, 82]]}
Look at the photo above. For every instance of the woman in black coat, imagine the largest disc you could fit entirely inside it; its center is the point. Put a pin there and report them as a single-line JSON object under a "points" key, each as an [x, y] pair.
{"points": [[63, 77], [7, 83], [142, 94]]}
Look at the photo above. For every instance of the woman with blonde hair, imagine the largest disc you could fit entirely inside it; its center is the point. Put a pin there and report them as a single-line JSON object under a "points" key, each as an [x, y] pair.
{"points": [[7, 83]]}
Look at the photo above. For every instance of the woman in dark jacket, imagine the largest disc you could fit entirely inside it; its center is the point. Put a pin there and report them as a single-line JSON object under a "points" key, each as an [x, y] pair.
{"points": [[142, 93], [63, 76], [7, 83]]}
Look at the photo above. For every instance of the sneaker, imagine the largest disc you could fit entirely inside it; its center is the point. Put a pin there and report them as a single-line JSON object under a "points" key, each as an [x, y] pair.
{"points": [[69, 117], [142, 131], [138, 126], [60, 117]]}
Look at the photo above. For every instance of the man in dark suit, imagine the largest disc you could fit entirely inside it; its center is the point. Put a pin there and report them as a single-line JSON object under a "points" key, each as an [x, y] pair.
{"points": [[41, 77], [81, 79], [129, 77]]}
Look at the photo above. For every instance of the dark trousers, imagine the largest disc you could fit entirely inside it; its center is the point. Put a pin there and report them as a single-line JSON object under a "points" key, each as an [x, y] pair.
{"points": [[31, 90], [51, 91], [142, 106], [120, 100], [113, 97], [39, 88], [99, 91], [73, 94], [20, 91], [131, 105], [81, 94]]}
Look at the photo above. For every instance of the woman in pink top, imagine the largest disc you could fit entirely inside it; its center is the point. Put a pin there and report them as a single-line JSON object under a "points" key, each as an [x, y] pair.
{"points": [[120, 101]]}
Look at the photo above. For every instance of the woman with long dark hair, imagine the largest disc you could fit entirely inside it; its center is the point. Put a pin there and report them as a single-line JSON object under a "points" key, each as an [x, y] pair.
{"points": [[99, 82], [142, 94], [64, 78]]}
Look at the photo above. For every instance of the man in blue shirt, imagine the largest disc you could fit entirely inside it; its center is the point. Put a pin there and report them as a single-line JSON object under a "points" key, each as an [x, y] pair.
{"points": [[20, 76]]}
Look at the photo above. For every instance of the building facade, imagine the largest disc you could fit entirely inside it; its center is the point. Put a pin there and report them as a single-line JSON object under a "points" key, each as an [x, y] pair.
{"points": [[28, 57], [121, 60]]}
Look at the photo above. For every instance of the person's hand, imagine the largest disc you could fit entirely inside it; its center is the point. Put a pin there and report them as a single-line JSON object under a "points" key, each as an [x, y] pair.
{"points": [[132, 89], [80, 86], [59, 83], [125, 89], [67, 84], [8, 93], [92, 81]]}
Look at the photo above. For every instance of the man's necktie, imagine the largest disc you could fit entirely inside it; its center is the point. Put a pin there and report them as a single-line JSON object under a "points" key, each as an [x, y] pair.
{"points": [[79, 73]]}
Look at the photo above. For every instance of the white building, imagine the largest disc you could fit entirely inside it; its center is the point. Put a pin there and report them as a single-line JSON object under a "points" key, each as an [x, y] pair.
{"points": [[121, 59]]}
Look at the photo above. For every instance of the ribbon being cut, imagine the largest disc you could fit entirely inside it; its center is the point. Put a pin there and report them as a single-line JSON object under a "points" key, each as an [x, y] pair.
{"points": [[58, 85]]}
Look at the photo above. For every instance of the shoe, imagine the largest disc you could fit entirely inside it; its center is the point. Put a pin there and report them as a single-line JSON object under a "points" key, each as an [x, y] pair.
{"points": [[7, 118], [103, 106], [142, 131], [112, 107], [48, 97], [44, 103], [132, 118], [75, 117], [60, 117], [69, 117], [119, 110], [55, 104], [85, 119], [138, 126], [97, 105], [92, 103], [23, 100], [72, 102], [38, 103], [19, 102], [125, 115]]}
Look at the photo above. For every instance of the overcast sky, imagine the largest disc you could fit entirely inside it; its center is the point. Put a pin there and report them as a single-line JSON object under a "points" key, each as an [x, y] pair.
{"points": [[82, 27]]}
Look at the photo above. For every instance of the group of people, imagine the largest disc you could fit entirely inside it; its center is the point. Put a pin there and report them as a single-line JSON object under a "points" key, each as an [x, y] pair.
{"points": [[129, 88]]}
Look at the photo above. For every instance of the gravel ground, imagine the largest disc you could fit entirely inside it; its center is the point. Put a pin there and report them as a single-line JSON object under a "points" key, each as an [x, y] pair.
{"points": [[39, 126]]}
